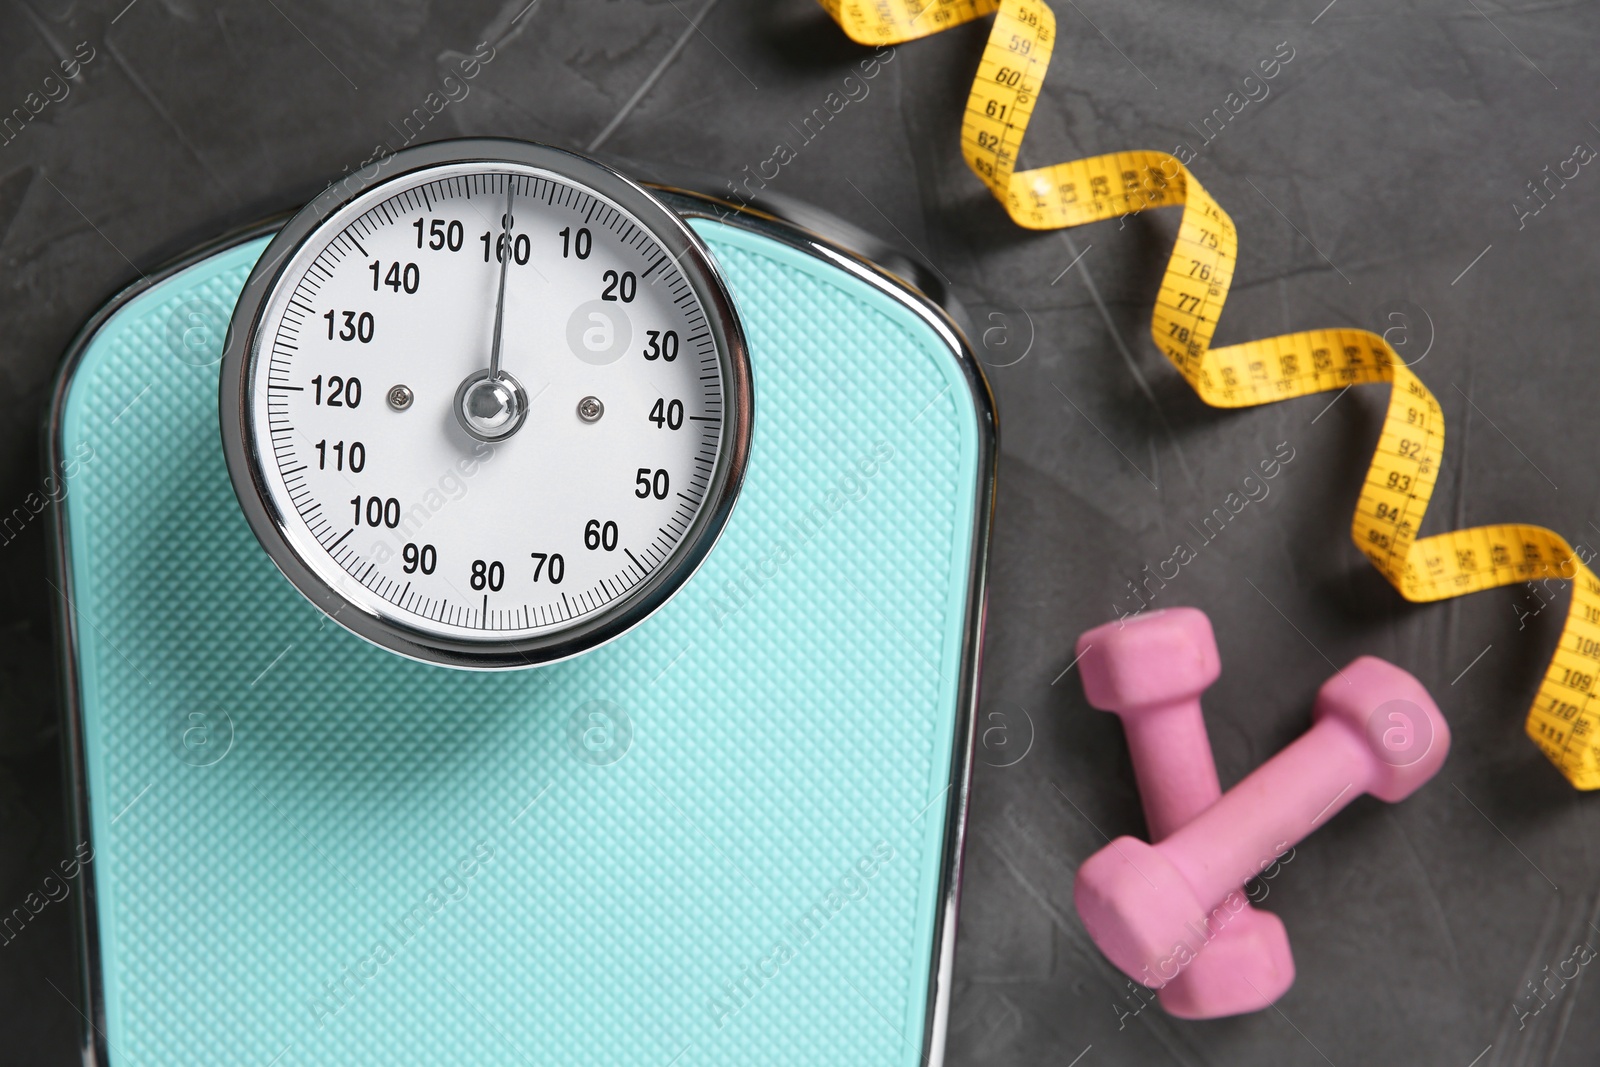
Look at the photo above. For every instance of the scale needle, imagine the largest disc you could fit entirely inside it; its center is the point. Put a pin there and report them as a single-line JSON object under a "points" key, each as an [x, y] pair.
{"points": [[500, 300]]}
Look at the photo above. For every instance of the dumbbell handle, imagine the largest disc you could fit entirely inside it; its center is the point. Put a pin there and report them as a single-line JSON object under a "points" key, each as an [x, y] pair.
{"points": [[1172, 761], [1275, 807]]}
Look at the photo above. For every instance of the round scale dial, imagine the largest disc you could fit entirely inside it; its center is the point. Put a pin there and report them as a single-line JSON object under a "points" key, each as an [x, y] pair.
{"points": [[490, 408]]}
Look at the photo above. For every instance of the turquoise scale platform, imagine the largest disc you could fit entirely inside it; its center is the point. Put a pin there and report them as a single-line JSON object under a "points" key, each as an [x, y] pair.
{"points": [[310, 849]]}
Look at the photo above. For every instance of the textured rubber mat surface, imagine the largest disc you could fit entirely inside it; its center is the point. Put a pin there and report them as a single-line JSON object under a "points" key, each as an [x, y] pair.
{"points": [[716, 839]]}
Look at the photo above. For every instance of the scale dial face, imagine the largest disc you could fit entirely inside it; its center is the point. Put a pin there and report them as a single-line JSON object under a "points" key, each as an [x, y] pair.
{"points": [[489, 408]]}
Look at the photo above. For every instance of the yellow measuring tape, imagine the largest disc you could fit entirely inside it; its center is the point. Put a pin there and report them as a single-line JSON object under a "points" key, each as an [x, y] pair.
{"points": [[1400, 482]]}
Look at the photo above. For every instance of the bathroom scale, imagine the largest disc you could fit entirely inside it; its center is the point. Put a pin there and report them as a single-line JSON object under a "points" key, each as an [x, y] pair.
{"points": [[514, 613]]}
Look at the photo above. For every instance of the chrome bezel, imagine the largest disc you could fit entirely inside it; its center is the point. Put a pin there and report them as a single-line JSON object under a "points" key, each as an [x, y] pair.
{"points": [[279, 531]]}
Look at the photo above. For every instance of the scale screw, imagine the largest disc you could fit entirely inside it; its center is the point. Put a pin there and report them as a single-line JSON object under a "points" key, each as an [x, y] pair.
{"points": [[400, 397], [590, 409]]}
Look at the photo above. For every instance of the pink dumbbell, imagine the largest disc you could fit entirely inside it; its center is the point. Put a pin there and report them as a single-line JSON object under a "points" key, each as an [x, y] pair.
{"points": [[1151, 671], [1152, 908]]}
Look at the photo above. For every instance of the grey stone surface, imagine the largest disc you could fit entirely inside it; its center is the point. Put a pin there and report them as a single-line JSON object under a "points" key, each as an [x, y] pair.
{"points": [[1384, 162]]}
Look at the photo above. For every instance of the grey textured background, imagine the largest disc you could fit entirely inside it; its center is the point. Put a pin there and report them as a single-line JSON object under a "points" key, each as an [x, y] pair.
{"points": [[1387, 157]]}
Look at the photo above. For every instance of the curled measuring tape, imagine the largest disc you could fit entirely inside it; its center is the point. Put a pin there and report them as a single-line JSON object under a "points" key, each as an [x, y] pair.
{"points": [[1405, 465]]}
